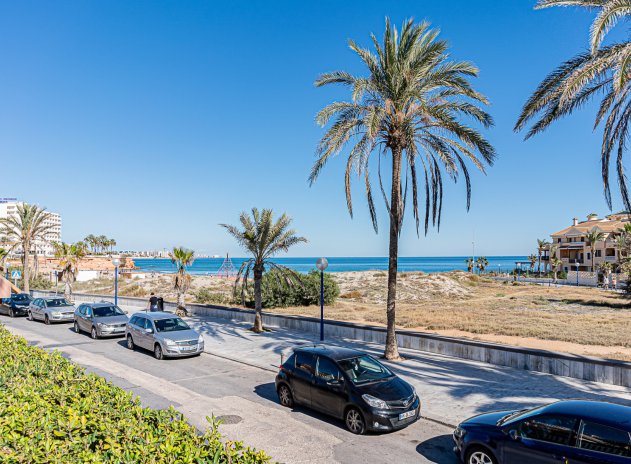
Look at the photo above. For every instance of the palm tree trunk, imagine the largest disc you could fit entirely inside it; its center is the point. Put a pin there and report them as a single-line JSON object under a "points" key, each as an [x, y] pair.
{"points": [[26, 271], [258, 300], [392, 350], [68, 290], [592, 249], [539, 265]]}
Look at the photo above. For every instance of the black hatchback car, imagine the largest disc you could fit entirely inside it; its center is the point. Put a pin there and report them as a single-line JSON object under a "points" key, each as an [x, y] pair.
{"points": [[349, 385], [16, 305], [566, 432]]}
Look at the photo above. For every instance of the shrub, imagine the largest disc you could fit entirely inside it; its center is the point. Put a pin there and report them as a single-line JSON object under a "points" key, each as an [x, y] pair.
{"points": [[207, 296], [40, 282], [562, 275], [354, 294], [52, 411]]}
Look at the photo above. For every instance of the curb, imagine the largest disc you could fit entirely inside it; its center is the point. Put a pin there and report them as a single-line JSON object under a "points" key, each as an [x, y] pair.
{"points": [[269, 369]]}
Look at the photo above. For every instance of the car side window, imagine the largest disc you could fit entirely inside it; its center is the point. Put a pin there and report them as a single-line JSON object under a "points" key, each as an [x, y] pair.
{"points": [[88, 311], [36, 302], [604, 439], [142, 322], [551, 429], [134, 320], [80, 310], [327, 369], [305, 362]]}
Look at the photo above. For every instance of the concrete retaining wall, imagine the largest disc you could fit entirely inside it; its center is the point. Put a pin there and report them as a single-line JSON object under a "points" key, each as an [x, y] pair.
{"points": [[563, 364]]}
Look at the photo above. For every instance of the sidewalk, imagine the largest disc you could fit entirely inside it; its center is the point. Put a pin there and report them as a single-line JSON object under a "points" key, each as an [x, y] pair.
{"points": [[451, 389]]}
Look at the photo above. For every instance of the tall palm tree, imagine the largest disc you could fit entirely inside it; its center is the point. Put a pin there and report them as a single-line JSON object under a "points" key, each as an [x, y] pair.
{"points": [[112, 243], [533, 260], [24, 230], [182, 258], [3, 256], [604, 71], [263, 239], [594, 237], [541, 245], [69, 256], [411, 105], [90, 240], [482, 263], [102, 243], [556, 264]]}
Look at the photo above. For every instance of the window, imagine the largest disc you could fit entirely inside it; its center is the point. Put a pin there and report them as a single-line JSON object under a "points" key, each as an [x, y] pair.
{"points": [[306, 362], [56, 302], [88, 311], [327, 369], [173, 324], [551, 429], [596, 437], [364, 369], [142, 322], [134, 320], [106, 311]]}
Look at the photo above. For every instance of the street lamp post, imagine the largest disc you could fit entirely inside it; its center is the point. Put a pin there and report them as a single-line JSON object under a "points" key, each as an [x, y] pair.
{"points": [[577, 264], [518, 270], [116, 262], [322, 264]]}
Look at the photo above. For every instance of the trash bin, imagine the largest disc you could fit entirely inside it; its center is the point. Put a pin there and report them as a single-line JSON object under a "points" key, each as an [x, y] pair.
{"points": [[160, 303]]}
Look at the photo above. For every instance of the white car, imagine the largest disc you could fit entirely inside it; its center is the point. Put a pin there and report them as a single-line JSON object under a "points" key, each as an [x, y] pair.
{"points": [[54, 309]]}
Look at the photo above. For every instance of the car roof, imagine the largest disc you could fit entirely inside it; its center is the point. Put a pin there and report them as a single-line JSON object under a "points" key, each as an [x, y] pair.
{"points": [[615, 415], [99, 304], [155, 315], [49, 298], [334, 352]]}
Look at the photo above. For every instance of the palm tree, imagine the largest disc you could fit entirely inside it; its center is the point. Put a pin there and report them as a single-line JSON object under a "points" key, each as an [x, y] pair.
{"points": [[69, 256], [603, 70], [482, 263], [3, 256], [533, 260], [182, 258], [541, 245], [102, 243], [91, 241], [410, 105], [606, 268], [112, 244], [593, 237], [262, 238], [470, 264], [24, 230], [555, 263]]}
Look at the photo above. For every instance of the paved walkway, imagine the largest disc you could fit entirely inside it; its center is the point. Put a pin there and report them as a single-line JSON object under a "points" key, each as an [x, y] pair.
{"points": [[451, 389]]}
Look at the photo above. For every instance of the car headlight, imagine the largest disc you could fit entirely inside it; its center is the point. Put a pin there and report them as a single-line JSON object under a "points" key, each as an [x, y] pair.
{"points": [[169, 342], [459, 432], [375, 402]]}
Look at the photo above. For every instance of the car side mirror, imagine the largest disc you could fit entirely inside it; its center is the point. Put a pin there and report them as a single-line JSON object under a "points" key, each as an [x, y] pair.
{"points": [[514, 435], [334, 382], [149, 331]]}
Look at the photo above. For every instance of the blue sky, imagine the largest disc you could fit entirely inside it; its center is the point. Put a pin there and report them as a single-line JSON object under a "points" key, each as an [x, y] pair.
{"points": [[154, 121]]}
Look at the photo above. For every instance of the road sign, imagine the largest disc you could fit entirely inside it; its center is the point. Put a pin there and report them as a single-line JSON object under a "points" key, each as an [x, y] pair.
{"points": [[15, 274]]}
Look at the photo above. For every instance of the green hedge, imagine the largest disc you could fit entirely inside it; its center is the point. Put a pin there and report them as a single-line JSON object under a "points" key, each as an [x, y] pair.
{"points": [[52, 411]]}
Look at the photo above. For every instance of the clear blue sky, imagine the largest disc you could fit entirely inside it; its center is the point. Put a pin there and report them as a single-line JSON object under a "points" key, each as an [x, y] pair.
{"points": [[153, 121]]}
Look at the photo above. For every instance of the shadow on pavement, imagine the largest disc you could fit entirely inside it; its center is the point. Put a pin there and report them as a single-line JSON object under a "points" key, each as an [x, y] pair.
{"points": [[436, 449]]}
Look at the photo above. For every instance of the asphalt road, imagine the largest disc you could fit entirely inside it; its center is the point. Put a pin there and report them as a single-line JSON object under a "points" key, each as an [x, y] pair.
{"points": [[244, 397]]}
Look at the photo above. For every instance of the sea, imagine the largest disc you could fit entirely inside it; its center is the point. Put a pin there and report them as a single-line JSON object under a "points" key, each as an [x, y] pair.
{"points": [[209, 266]]}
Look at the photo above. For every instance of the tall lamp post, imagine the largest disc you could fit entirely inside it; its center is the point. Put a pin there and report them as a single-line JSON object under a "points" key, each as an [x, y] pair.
{"points": [[116, 262], [577, 264], [322, 264]]}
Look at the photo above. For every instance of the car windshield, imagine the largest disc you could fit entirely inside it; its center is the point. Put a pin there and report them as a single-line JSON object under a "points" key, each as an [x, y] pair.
{"points": [[363, 369], [22, 297], [106, 311], [57, 302], [518, 415], [170, 325]]}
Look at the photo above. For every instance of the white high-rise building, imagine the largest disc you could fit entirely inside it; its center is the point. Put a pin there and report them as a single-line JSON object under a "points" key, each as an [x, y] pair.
{"points": [[8, 207]]}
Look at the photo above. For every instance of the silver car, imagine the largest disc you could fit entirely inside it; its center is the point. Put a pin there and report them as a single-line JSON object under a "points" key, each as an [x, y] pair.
{"points": [[100, 320], [166, 334], [55, 309]]}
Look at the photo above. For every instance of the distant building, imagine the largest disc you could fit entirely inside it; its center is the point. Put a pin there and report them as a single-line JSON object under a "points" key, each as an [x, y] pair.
{"points": [[571, 246], [8, 207]]}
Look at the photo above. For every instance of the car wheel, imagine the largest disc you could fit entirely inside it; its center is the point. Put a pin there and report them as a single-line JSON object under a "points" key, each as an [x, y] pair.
{"points": [[76, 327], [94, 334], [46, 320], [285, 397], [480, 456], [11, 312], [355, 421], [157, 352], [29, 316], [130, 342]]}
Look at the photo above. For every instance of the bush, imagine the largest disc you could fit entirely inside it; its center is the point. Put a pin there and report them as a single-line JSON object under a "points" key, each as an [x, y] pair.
{"points": [[562, 275], [282, 290], [207, 296], [52, 411]]}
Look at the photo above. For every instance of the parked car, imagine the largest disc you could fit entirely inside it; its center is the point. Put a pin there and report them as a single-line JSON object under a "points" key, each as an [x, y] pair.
{"points": [[100, 320], [563, 432], [15, 305], [349, 385], [163, 333], [55, 309]]}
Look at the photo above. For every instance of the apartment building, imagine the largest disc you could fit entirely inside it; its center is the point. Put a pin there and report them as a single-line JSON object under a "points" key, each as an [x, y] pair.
{"points": [[573, 248], [8, 207]]}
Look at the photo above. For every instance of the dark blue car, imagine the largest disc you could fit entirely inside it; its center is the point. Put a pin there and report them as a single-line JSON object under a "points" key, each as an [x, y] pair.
{"points": [[566, 432]]}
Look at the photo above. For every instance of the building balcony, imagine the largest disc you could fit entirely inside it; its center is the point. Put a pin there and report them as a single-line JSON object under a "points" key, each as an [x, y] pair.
{"points": [[611, 259]]}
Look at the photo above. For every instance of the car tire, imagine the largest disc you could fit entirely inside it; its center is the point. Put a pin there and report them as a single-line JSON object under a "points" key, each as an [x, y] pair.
{"points": [[29, 316], [11, 312], [77, 329], [94, 334], [479, 455], [46, 320], [157, 352], [285, 397], [355, 422], [130, 343]]}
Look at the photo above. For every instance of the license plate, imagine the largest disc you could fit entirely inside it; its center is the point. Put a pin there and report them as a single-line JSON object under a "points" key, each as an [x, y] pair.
{"points": [[188, 348], [406, 415]]}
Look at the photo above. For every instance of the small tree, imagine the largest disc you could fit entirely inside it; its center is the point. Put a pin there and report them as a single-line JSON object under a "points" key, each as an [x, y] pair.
{"points": [[556, 264], [182, 258], [69, 256], [606, 268], [470, 264], [262, 238], [482, 263], [533, 261]]}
